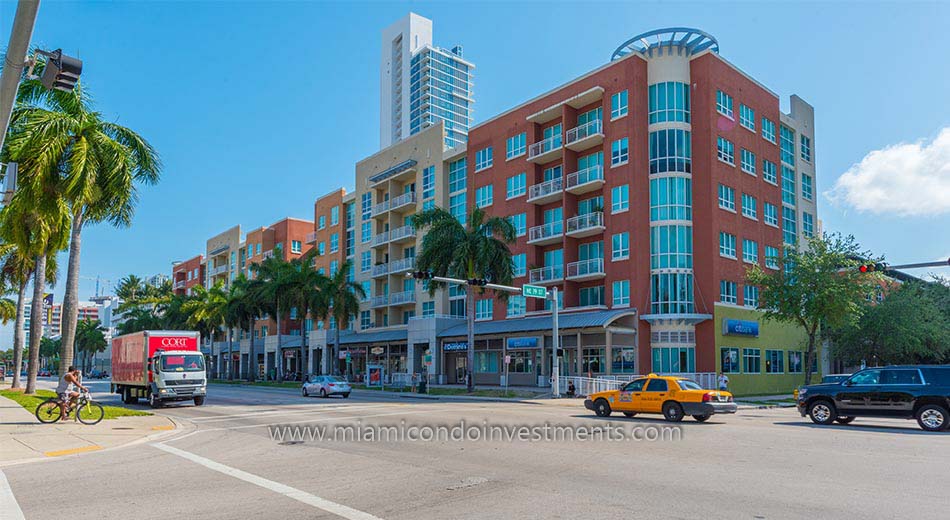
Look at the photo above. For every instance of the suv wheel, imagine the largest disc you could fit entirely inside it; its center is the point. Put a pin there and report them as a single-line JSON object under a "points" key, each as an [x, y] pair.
{"points": [[673, 412], [932, 417], [844, 420], [602, 408], [822, 412]]}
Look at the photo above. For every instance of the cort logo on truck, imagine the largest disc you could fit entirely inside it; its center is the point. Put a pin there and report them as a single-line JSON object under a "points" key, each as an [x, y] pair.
{"points": [[174, 342]]}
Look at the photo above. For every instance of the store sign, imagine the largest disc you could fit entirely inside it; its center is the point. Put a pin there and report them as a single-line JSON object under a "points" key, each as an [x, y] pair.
{"points": [[732, 327], [454, 347], [377, 350], [344, 354], [289, 353], [523, 343]]}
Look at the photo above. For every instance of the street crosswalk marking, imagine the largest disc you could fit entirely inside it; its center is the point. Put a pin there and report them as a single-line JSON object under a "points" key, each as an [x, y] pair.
{"points": [[296, 411], [9, 509], [283, 489]]}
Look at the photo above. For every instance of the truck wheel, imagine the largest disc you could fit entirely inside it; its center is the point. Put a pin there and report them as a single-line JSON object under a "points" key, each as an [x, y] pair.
{"points": [[602, 408], [822, 412], [154, 401], [199, 400], [932, 417], [128, 397], [673, 412]]}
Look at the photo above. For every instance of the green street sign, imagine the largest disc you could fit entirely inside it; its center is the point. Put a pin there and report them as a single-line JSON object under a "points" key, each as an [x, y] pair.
{"points": [[534, 291]]}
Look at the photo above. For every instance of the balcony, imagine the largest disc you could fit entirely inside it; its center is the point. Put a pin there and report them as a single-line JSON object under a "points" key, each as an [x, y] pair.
{"points": [[547, 150], [380, 209], [405, 264], [586, 270], [380, 239], [379, 301], [588, 179], [268, 254], [311, 237], [548, 191], [222, 269], [380, 270], [402, 234], [549, 233], [180, 284], [403, 169], [402, 298], [404, 201], [585, 136], [586, 225], [546, 275]]}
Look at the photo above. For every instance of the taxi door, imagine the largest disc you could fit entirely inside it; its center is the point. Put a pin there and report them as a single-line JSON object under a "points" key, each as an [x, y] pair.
{"points": [[630, 398], [655, 395]]}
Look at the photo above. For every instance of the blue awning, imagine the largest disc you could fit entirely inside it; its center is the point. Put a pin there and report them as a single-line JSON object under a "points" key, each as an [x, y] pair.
{"points": [[578, 320], [381, 336]]}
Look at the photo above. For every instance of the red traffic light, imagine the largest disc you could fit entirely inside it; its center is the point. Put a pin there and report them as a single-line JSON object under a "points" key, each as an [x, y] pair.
{"points": [[865, 268]]}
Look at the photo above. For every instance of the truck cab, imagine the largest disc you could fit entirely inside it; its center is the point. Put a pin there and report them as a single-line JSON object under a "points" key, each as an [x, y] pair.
{"points": [[177, 376]]}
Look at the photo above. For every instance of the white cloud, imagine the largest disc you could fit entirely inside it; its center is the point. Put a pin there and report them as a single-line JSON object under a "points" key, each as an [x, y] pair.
{"points": [[906, 179]]}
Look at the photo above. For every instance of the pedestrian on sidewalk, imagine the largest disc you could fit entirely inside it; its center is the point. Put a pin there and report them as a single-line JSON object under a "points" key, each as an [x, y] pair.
{"points": [[723, 382]]}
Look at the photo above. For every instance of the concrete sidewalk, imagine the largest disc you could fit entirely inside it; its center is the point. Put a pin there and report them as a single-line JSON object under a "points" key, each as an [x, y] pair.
{"points": [[23, 437]]}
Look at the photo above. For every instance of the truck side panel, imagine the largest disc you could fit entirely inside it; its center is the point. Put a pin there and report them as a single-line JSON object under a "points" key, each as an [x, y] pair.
{"points": [[128, 359]]}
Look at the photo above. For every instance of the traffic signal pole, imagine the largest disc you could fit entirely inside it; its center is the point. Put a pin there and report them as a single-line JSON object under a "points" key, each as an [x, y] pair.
{"points": [[23, 22]]}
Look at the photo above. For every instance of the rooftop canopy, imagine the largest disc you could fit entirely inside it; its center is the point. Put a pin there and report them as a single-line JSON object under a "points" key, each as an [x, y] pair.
{"points": [[693, 41]]}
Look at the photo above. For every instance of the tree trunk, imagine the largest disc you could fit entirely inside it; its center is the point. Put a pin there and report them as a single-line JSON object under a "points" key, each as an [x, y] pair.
{"points": [[252, 362], [278, 356], [304, 348], [36, 322], [470, 351], [230, 354], [809, 356], [70, 315], [18, 333], [335, 362]]}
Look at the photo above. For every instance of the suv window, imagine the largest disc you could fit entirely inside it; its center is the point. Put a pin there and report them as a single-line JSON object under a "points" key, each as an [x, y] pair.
{"points": [[866, 377], [936, 375], [634, 386], [657, 385], [900, 377]]}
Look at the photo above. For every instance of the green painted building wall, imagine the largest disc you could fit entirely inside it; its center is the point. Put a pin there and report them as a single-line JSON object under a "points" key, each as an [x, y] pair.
{"points": [[773, 336]]}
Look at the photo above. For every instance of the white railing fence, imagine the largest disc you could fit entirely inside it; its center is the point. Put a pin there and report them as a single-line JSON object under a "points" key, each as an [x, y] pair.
{"points": [[585, 386]]}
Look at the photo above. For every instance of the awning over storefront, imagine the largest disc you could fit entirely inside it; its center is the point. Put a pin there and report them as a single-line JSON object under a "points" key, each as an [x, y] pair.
{"points": [[359, 338], [291, 342], [578, 320]]}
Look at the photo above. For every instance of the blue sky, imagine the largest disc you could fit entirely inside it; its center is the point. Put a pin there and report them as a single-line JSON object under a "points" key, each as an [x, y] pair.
{"points": [[259, 107]]}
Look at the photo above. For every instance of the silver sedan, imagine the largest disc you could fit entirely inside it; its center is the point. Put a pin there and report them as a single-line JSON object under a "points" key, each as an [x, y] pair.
{"points": [[325, 386]]}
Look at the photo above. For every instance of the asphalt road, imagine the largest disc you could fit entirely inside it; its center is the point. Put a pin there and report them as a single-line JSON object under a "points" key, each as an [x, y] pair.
{"points": [[758, 464]]}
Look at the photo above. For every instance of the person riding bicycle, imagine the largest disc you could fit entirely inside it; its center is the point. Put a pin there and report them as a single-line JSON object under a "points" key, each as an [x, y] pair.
{"points": [[66, 390]]}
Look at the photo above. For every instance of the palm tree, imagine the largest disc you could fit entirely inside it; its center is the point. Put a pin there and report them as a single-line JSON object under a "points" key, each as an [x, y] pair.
{"points": [[90, 340], [98, 163], [254, 306], [140, 318], [342, 302], [477, 250], [276, 278], [130, 289], [16, 270], [306, 293], [236, 315], [206, 309]]}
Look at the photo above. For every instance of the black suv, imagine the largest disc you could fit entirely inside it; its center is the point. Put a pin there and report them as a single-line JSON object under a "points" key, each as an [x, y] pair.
{"points": [[919, 392]]}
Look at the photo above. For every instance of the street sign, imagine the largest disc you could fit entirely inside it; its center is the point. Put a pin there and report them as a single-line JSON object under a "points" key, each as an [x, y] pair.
{"points": [[507, 360], [534, 291], [428, 360]]}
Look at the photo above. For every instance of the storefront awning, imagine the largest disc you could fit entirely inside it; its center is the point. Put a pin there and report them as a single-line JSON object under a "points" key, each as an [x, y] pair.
{"points": [[359, 338], [578, 320]]}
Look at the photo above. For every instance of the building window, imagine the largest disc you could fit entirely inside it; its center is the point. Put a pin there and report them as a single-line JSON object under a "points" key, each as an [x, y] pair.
{"points": [[671, 247], [727, 198], [789, 226], [751, 360], [295, 246], [670, 151], [730, 360], [517, 306], [520, 265], [747, 117], [620, 246], [727, 291], [334, 264], [483, 159], [807, 187], [483, 309], [619, 152], [366, 205], [457, 206], [748, 206], [768, 130], [769, 172], [787, 144], [808, 225], [457, 176], [618, 104], [750, 251], [805, 144], [725, 150], [517, 185], [727, 245], [366, 232], [334, 242], [322, 248], [620, 198], [590, 296], [364, 320], [795, 362], [750, 296], [428, 182], [486, 362], [788, 186], [322, 222], [483, 196], [620, 292], [669, 101], [747, 162], [671, 293], [674, 360], [671, 198], [516, 145], [771, 257], [428, 309], [592, 360], [724, 104], [334, 215], [520, 222], [774, 362], [771, 214], [366, 261]]}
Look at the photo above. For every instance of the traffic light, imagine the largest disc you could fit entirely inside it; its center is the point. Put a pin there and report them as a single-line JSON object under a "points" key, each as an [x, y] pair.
{"points": [[478, 282], [61, 71], [422, 275], [872, 267]]}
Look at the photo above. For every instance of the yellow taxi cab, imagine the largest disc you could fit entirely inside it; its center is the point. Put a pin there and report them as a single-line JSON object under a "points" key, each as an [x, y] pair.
{"points": [[674, 397]]}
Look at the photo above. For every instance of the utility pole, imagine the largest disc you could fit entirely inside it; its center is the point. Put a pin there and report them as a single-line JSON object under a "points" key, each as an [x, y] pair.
{"points": [[23, 22]]}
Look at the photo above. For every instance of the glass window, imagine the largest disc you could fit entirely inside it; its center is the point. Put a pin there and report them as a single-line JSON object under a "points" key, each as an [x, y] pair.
{"points": [[747, 161], [620, 292], [750, 296], [789, 226], [618, 104], [334, 215], [750, 251], [591, 296], [866, 377], [334, 242], [428, 309], [771, 257], [900, 377], [483, 196], [322, 248], [725, 150], [486, 362], [593, 360], [671, 293], [727, 197], [522, 362], [366, 205], [787, 144], [671, 198], [295, 246], [724, 103], [483, 309], [366, 232], [520, 265], [483, 158], [727, 244], [619, 151], [428, 182], [619, 198], [520, 222], [554, 172], [807, 187], [730, 360], [805, 145], [774, 362], [808, 225], [517, 305], [517, 185], [457, 206], [620, 246], [727, 291], [748, 206], [747, 117], [768, 130], [366, 261], [769, 172], [516, 145], [322, 222], [671, 247], [657, 385], [670, 151], [669, 101], [674, 360], [457, 176], [771, 214], [795, 362], [788, 185], [625, 362], [751, 360]]}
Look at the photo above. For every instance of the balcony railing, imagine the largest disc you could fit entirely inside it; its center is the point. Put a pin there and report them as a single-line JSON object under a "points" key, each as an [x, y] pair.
{"points": [[401, 233], [585, 180], [268, 254], [548, 274], [223, 268], [380, 270], [585, 224], [380, 239], [180, 284], [405, 264], [400, 298], [311, 237], [379, 301], [547, 191], [586, 135], [380, 208], [546, 233], [592, 268], [403, 200], [546, 150]]}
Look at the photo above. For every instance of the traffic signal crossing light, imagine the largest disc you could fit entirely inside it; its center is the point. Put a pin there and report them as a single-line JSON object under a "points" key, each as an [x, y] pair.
{"points": [[61, 71], [422, 275], [872, 267], [478, 282]]}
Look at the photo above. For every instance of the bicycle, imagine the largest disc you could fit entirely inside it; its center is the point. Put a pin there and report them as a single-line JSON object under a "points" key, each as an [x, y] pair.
{"points": [[87, 411]]}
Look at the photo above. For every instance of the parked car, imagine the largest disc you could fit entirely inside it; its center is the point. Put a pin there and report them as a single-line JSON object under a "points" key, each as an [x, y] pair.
{"points": [[325, 386], [674, 397], [919, 392], [43, 373]]}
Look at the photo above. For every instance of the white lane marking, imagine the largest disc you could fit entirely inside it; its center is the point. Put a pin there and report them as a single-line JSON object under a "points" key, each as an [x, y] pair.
{"points": [[293, 411], [290, 492], [9, 509], [323, 419]]}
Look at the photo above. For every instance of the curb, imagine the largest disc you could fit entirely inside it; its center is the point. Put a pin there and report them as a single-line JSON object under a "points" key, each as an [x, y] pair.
{"points": [[462, 399]]}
